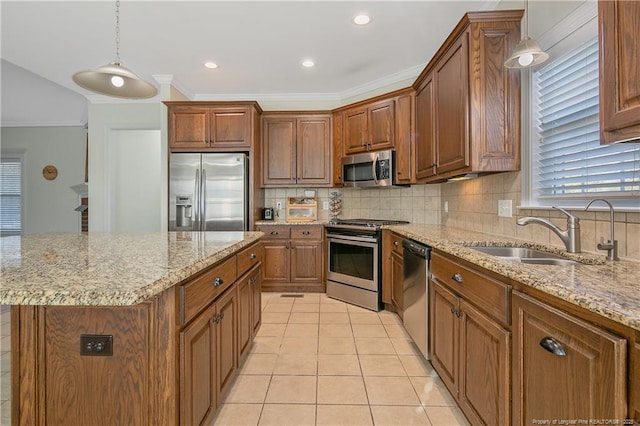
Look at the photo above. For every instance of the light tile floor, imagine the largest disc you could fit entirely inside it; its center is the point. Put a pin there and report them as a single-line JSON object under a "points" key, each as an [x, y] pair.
{"points": [[319, 361]]}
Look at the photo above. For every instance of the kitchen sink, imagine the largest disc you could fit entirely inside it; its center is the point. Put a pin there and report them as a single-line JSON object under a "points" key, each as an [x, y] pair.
{"points": [[525, 255]]}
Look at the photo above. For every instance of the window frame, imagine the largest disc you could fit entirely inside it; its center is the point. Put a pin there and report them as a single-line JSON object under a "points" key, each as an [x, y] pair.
{"points": [[16, 154], [578, 27]]}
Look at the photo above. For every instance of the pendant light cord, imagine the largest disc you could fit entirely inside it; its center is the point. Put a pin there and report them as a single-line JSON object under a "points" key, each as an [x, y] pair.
{"points": [[526, 18], [117, 62]]}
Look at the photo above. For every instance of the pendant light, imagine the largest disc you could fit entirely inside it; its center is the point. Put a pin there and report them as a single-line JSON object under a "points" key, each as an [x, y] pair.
{"points": [[113, 79], [527, 53]]}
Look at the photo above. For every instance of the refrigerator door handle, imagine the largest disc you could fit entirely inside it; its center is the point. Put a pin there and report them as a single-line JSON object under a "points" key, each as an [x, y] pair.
{"points": [[204, 201], [196, 201]]}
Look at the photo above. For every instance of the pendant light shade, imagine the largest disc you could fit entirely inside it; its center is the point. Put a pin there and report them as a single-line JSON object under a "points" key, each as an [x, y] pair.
{"points": [[113, 79], [527, 52]]}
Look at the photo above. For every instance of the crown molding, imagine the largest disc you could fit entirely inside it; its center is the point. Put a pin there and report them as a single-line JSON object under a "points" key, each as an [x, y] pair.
{"points": [[10, 123], [567, 26]]}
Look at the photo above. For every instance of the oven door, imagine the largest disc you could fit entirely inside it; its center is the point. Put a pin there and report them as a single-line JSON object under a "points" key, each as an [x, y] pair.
{"points": [[353, 260]]}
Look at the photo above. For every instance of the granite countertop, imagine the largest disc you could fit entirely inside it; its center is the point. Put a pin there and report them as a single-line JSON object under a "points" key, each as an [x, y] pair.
{"points": [[611, 289], [285, 223], [106, 269]]}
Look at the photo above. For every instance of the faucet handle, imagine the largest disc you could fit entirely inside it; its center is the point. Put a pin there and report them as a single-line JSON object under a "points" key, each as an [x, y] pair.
{"points": [[570, 218]]}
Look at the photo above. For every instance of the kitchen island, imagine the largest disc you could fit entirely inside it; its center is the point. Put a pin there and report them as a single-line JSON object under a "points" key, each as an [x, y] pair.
{"points": [[128, 328]]}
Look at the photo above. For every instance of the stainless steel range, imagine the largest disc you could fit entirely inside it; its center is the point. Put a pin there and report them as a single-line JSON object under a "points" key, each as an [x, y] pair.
{"points": [[354, 261]]}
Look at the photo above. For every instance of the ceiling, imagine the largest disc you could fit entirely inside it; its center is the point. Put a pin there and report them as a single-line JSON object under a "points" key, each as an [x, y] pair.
{"points": [[259, 45]]}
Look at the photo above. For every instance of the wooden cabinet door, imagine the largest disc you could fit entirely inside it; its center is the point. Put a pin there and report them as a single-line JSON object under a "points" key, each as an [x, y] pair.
{"points": [[619, 33], [226, 340], [275, 267], [198, 388], [405, 106], [188, 127], [425, 142], [279, 151], [336, 148], [485, 366], [256, 302], [451, 83], [397, 278], [587, 382], [306, 261], [313, 149], [230, 128], [245, 306], [355, 131], [444, 334], [381, 125]]}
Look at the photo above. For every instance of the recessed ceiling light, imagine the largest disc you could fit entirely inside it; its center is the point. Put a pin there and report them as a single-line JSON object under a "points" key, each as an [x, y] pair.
{"points": [[361, 19], [308, 63], [211, 65]]}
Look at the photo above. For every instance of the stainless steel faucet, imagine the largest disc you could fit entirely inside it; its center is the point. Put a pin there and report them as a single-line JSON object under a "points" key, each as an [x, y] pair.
{"points": [[612, 245], [570, 237]]}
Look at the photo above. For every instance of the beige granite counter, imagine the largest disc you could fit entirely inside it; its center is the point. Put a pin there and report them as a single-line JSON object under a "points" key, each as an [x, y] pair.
{"points": [[611, 289], [286, 223], [106, 269]]}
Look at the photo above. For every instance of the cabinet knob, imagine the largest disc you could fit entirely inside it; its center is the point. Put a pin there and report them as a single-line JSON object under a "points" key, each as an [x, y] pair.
{"points": [[216, 320], [218, 282], [274, 233], [457, 278], [306, 232], [552, 345], [252, 256], [395, 243]]}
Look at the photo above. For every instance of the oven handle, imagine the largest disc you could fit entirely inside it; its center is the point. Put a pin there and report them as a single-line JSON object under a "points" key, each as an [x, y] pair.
{"points": [[338, 237]]}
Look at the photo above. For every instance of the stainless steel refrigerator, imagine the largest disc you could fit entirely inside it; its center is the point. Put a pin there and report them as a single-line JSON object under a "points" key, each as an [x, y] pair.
{"points": [[208, 192]]}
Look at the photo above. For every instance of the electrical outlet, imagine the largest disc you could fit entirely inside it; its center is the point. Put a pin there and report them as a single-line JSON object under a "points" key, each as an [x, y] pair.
{"points": [[278, 205], [446, 206], [325, 205], [96, 344], [504, 208]]}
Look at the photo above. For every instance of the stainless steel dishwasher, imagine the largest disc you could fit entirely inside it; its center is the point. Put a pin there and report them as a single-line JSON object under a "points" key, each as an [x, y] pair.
{"points": [[414, 292]]}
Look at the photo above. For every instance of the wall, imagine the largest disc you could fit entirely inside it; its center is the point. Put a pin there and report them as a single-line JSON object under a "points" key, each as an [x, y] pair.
{"points": [[48, 206], [104, 120], [417, 203]]}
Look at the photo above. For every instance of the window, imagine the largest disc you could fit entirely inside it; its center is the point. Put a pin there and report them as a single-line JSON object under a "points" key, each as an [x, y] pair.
{"points": [[10, 195], [567, 165]]}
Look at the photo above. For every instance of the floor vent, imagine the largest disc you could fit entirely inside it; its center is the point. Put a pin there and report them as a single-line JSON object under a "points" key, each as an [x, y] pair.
{"points": [[291, 295]]}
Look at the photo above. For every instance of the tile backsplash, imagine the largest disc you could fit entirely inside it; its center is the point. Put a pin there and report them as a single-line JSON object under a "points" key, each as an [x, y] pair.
{"points": [[472, 205]]}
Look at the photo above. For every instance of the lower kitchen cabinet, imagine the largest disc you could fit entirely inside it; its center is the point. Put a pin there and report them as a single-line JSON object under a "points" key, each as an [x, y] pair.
{"points": [[293, 258], [470, 347], [392, 271], [564, 367], [249, 308]]}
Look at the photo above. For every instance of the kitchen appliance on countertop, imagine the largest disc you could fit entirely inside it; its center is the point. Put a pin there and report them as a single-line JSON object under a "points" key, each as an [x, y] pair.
{"points": [[415, 294], [267, 213], [208, 192], [354, 269]]}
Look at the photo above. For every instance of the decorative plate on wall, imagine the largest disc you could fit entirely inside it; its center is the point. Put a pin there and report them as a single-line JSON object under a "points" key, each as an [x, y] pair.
{"points": [[50, 172]]}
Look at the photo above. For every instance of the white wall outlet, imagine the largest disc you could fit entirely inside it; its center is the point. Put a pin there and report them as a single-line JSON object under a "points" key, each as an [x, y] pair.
{"points": [[278, 205], [325, 205], [446, 206], [504, 208]]}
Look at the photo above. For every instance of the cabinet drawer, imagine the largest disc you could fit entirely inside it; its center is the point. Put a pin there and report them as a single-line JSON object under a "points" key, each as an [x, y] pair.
{"points": [[306, 232], [249, 257], [274, 231], [202, 290], [489, 295]]}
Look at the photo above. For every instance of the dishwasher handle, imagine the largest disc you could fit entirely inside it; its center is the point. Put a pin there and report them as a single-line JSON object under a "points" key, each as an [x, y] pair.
{"points": [[416, 248]]}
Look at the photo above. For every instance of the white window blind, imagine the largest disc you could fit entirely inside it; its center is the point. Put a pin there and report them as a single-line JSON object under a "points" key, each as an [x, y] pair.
{"points": [[569, 161], [10, 196]]}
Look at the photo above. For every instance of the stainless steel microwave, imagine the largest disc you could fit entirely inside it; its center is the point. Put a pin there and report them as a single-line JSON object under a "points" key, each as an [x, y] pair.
{"points": [[369, 169]]}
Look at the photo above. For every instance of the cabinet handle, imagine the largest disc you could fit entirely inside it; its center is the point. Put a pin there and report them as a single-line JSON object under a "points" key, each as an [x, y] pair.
{"points": [[218, 282], [306, 232], [458, 313], [552, 345], [275, 233], [221, 316], [395, 243], [252, 256], [457, 278], [216, 320]]}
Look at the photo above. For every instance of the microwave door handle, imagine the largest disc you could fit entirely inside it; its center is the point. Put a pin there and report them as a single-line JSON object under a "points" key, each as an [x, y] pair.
{"points": [[374, 173]]}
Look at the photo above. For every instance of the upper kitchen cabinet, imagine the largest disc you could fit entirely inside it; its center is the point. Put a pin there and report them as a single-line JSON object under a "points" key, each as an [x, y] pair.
{"points": [[296, 150], [211, 126], [468, 103], [619, 33], [369, 127]]}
